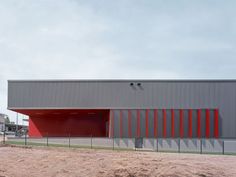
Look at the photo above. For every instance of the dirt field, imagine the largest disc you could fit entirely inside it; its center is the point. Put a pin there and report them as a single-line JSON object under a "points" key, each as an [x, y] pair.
{"points": [[42, 161]]}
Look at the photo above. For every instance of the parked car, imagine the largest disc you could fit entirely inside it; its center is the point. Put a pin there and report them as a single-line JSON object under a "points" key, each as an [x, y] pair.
{"points": [[10, 133]]}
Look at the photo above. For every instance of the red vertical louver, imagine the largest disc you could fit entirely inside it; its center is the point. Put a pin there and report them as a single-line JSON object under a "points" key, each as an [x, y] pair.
{"points": [[121, 124], [138, 123], [207, 123], [172, 123], [216, 123], [181, 127], [155, 122], [129, 123], [190, 130], [199, 123], [146, 122], [164, 122]]}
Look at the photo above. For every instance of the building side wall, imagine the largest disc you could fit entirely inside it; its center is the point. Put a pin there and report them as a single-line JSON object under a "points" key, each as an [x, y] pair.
{"points": [[120, 95]]}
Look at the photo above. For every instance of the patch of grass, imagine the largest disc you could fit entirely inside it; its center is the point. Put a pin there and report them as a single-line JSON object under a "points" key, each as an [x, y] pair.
{"points": [[230, 153], [22, 143]]}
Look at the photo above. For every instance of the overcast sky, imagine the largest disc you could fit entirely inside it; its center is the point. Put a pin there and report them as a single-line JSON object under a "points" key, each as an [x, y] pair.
{"points": [[75, 39]]}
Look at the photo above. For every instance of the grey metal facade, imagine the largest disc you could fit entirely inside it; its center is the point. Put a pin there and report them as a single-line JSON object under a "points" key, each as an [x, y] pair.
{"points": [[160, 123], [119, 94]]}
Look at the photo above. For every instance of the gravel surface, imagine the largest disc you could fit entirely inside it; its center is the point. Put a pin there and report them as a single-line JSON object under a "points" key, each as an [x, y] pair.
{"points": [[49, 161]]}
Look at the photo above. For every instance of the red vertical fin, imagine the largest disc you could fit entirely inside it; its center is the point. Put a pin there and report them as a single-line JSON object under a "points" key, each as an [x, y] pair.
{"points": [[199, 123], [138, 123], [207, 123], [190, 129], [181, 127], [172, 123], [155, 123], [112, 123], [129, 124], [121, 124], [164, 122], [146, 122], [216, 123]]}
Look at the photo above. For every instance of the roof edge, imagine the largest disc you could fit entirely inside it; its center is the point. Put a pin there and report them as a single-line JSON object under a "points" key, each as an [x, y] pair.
{"points": [[126, 80]]}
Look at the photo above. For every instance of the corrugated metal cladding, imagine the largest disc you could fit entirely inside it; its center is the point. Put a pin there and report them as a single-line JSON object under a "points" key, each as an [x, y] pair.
{"points": [[120, 94], [151, 128]]}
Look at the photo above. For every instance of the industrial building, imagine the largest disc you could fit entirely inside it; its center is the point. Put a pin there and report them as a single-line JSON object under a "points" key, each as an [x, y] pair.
{"points": [[2, 122], [11, 128], [126, 108]]}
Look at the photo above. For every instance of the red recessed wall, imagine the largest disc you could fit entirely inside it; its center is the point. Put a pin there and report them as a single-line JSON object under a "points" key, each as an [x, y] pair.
{"points": [[74, 123]]}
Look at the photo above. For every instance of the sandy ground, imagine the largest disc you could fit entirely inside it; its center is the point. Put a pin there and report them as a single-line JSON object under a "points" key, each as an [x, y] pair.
{"points": [[43, 161], [1, 138]]}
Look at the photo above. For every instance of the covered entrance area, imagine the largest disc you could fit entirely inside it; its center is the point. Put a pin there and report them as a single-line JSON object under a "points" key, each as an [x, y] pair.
{"points": [[67, 122]]}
